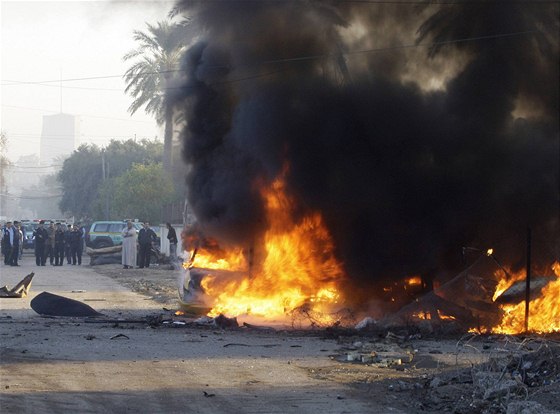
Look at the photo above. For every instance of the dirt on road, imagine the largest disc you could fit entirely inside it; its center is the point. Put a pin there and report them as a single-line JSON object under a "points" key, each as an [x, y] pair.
{"points": [[140, 357]]}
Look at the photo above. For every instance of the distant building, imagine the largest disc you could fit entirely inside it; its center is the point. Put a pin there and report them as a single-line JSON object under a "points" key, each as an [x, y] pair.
{"points": [[58, 137]]}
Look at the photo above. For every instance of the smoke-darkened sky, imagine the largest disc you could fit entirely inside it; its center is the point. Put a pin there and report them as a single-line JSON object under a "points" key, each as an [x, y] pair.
{"points": [[410, 152]]}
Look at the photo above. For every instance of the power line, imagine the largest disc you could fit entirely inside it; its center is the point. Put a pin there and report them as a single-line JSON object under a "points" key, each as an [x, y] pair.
{"points": [[79, 115], [16, 83], [31, 197], [42, 166], [308, 57]]}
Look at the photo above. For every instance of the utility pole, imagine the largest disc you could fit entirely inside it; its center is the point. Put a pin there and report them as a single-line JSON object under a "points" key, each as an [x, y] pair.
{"points": [[104, 175], [528, 280]]}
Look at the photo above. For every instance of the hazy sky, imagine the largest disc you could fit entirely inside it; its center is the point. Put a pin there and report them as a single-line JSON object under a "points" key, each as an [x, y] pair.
{"points": [[45, 41]]}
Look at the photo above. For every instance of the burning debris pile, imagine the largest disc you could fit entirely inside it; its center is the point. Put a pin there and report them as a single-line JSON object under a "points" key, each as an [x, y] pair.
{"points": [[327, 161]]}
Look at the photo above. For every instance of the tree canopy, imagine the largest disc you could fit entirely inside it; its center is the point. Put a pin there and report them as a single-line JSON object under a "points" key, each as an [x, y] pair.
{"points": [[82, 173], [138, 193]]}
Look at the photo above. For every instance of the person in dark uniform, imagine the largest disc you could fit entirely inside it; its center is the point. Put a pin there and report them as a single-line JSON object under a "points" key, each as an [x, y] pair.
{"points": [[15, 245], [49, 248], [172, 237], [145, 238], [41, 238], [67, 237], [75, 238], [8, 242], [58, 245], [80, 249]]}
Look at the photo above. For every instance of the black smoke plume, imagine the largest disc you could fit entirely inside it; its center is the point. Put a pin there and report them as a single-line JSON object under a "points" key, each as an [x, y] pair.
{"points": [[409, 152]]}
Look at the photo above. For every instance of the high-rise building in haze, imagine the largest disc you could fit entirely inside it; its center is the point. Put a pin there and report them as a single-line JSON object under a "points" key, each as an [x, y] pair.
{"points": [[58, 137]]}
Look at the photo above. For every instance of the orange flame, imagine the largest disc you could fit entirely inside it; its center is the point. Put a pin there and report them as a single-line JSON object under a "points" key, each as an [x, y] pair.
{"points": [[414, 280], [299, 267], [544, 310]]}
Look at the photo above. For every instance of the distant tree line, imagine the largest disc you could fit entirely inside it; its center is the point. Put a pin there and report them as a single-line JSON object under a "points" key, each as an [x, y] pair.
{"points": [[123, 180]]}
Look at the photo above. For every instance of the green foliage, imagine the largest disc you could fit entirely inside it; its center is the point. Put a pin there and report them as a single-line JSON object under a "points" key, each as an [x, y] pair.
{"points": [[82, 173], [138, 193]]}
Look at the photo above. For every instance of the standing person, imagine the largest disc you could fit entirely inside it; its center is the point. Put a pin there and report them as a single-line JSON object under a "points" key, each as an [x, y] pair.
{"points": [[41, 237], [75, 238], [15, 245], [58, 245], [67, 237], [21, 235], [129, 246], [172, 237], [8, 242], [80, 249], [145, 238], [50, 243]]}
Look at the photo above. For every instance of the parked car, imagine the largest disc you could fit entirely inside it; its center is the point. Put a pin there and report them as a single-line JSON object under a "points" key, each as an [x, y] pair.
{"points": [[107, 233], [28, 227]]}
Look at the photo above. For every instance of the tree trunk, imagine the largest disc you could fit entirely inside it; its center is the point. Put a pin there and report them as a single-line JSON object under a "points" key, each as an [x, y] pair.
{"points": [[168, 138]]}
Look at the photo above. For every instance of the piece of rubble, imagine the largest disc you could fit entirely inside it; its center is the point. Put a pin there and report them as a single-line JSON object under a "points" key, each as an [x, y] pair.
{"points": [[20, 290], [220, 321], [49, 304], [516, 292], [117, 336], [528, 407], [501, 389], [365, 323]]}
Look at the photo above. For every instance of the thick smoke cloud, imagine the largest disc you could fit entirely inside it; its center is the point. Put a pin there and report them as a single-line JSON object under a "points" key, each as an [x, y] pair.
{"points": [[405, 174]]}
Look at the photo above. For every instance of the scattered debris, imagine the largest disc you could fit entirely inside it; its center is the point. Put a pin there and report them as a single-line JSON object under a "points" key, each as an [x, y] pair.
{"points": [[219, 321], [46, 303], [117, 336], [111, 254], [20, 290], [365, 323], [528, 407], [257, 327], [208, 395], [516, 292], [89, 337]]}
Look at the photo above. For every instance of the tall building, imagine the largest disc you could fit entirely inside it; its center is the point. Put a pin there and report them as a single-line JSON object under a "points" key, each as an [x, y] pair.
{"points": [[58, 137]]}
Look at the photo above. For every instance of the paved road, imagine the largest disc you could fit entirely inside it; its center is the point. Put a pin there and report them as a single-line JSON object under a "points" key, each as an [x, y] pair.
{"points": [[76, 282], [68, 365]]}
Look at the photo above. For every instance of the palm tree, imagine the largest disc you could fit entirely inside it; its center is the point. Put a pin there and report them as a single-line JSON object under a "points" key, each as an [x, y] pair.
{"points": [[148, 79]]}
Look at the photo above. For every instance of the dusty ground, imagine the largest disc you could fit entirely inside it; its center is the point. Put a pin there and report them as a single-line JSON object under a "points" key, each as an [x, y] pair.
{"points": [[155, 362]]}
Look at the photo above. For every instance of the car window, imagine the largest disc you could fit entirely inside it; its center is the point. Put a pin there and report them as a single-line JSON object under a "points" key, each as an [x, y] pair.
{"points": [[116, 227], [101, 227]]}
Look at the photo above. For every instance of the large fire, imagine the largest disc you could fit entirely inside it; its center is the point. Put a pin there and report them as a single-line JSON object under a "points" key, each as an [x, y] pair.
{"points": [[298, 268], [544, 310]]}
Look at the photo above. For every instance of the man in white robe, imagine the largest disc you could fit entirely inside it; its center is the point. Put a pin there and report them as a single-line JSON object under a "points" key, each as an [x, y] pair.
{"points": [[129, 246]]}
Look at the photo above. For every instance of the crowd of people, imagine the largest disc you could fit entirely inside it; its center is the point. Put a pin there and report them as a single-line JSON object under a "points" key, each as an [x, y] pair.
{"points": [[56, 242], [59, 241]]}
